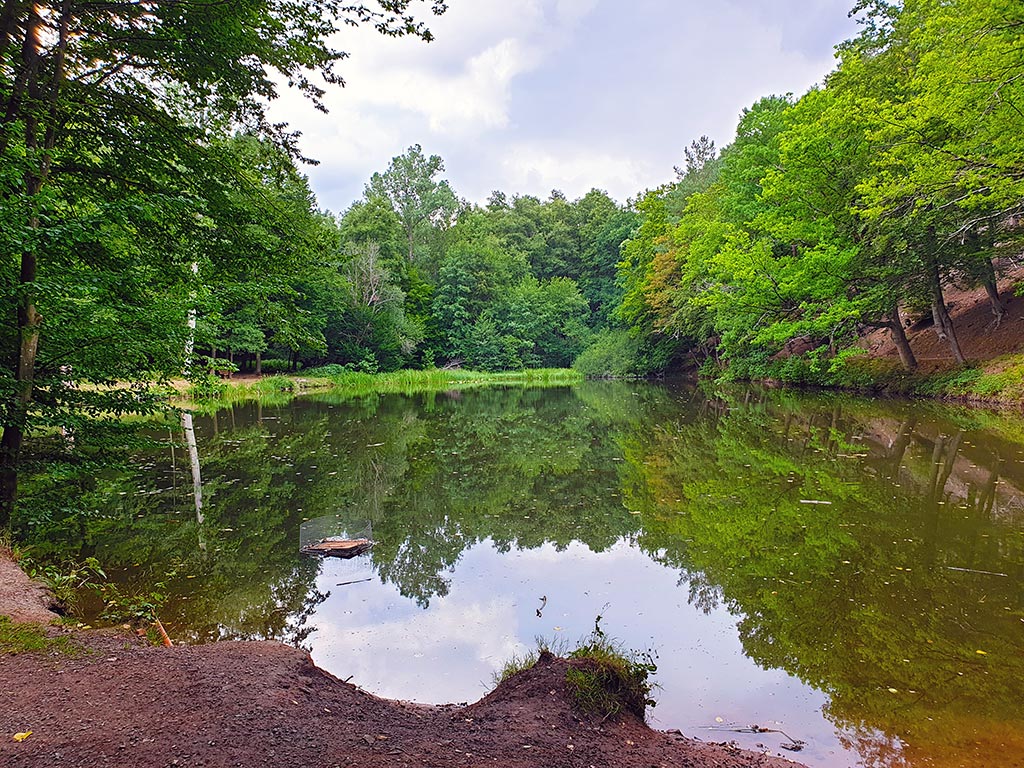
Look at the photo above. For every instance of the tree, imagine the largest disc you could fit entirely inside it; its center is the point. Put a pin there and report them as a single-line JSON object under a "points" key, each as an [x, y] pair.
{"points": [[95, 98], [420, 202]]}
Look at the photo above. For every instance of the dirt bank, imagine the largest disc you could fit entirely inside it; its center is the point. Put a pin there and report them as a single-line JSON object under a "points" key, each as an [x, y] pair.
{"points": [[21, 598], [981, 338], [114, 701]]}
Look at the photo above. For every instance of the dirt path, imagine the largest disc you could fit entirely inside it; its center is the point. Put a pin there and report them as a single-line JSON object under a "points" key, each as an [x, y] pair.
{"points": [[114, 701], [265, 704]]}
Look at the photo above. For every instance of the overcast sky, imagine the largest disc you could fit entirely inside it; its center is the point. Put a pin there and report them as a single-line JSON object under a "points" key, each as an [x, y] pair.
{"points": [[527, 96]]}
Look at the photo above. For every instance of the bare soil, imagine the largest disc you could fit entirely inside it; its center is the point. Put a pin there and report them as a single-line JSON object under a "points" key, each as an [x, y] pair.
{"points": [[117, 701], [981, 338], [21, 598]]}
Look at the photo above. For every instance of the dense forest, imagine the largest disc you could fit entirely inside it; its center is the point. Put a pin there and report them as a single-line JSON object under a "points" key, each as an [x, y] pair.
{"points": [[154, 223]]}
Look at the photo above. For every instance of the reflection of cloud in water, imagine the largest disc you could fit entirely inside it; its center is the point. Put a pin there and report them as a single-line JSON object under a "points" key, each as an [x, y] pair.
{"points": [[449, 651], [395, 650]]}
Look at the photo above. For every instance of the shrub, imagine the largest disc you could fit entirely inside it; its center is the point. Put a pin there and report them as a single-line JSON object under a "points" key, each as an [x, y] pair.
{"points": [[605, 679], [327, 371], [275, 365], [612, 354]]}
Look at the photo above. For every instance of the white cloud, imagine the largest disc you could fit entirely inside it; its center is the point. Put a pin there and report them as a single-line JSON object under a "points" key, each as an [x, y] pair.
{"points": [[467, 103], [537, 168], [567, 94]]}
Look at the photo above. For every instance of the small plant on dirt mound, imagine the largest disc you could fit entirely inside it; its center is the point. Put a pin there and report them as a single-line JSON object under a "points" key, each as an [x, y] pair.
{"points": [[517, 663], [604, 679], [67, 580]]}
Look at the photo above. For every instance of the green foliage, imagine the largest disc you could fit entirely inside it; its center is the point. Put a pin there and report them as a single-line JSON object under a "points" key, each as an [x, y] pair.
{"points": [[275, 365], [121, 605], [831, 213], [420, 202], [67, 580], [207, 386], [611, 354], [516, 663]]}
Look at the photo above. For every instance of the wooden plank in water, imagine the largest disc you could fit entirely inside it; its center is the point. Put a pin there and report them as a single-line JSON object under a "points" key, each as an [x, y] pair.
{"points": [[338, 547]]}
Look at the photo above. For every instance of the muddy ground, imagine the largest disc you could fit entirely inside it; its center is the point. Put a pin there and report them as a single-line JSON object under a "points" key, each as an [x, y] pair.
{"points": [[114, 700]]}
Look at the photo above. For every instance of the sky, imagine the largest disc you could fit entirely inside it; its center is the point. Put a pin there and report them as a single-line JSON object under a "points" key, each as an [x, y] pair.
{"points": [[528, 96]]}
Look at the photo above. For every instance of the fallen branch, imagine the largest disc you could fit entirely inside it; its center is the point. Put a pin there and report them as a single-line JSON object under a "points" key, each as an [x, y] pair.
{"points": [[795, 745]]}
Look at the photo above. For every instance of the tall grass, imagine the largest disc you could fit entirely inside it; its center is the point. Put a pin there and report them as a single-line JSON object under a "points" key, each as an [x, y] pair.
{"points": [[342, 384]]}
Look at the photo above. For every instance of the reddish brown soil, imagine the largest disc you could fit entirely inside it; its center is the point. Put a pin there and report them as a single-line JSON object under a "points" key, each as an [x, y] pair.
{"points": [[980, 339], [21, 598], [120, 702], [265, 704]]}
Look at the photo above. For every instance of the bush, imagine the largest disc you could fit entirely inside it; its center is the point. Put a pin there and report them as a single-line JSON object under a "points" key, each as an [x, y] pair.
{"points": [[612, 354], [275, 365], [327, 371], [206, 387], [603, 679]]}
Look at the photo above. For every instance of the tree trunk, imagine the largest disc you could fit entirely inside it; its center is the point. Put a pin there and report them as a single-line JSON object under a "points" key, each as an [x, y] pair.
{"points": [[992, 289], [10, 450], [197, 478], [937, 325], [899, 446], [259, 363], [899, 337], [28, 318], [946, 322], [939, 302]]}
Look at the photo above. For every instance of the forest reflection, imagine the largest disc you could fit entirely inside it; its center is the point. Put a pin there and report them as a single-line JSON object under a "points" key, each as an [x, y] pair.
{"points": [[874, 550]]}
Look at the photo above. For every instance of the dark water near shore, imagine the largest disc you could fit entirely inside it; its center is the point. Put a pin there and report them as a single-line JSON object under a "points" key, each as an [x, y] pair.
{"points": [[846, 571]]}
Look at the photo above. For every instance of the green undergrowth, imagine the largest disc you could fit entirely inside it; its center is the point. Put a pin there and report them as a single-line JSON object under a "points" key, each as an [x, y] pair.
{"points": [[604, 679], [516, 664], [999, 381], [336, 381]]}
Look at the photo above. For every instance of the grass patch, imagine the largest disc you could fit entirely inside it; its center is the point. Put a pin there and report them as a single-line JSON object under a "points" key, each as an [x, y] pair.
{"points": [[528, 660], [30, 638], [606, 680], [603, 678], [999, 381], [515, 665], [336, 381], [1002, 378]]}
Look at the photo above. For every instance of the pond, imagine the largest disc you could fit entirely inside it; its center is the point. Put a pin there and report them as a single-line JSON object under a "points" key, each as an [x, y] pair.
{"points": [[846, 571]]}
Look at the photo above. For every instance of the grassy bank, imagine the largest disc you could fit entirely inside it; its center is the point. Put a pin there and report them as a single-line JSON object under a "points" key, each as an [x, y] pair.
{"points": [[343, 384], [998, 382]]}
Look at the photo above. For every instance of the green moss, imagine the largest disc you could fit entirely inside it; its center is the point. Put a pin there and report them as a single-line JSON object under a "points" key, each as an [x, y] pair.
{"points": [[30, 638]]}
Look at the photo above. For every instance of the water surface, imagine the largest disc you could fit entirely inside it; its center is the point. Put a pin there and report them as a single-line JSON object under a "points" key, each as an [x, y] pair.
{"points": [[846, 571]]}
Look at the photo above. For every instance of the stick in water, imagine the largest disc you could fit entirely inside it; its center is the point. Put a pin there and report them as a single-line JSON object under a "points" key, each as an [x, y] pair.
{"points": [[163, 632]]}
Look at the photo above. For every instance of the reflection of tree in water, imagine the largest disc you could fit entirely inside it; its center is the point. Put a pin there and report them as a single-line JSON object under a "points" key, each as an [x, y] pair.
{"points": [[520, 468], [838, 594], [857, 596]]}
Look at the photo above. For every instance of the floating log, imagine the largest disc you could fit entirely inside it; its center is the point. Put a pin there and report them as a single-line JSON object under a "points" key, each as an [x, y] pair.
{"points": [[337, 547]]}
